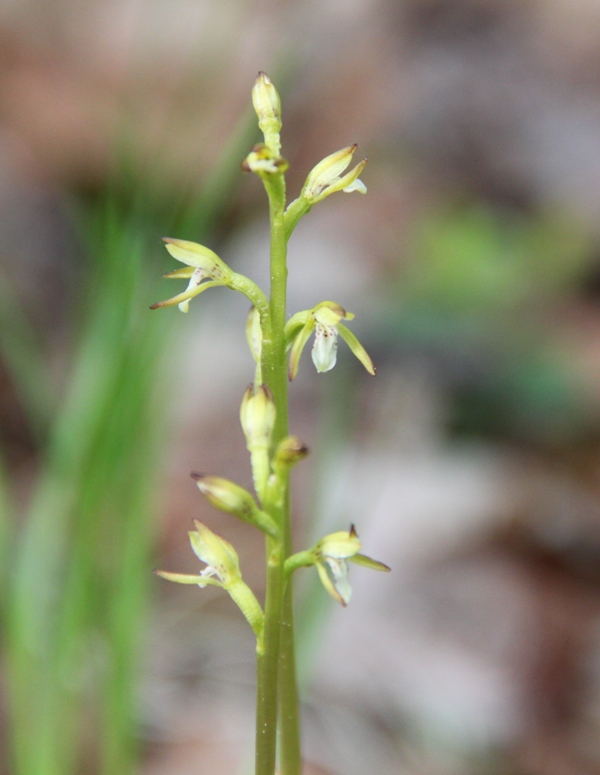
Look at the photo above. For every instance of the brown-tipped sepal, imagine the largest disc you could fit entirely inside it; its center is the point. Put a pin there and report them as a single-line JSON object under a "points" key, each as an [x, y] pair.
{"points": [[290, 450]]}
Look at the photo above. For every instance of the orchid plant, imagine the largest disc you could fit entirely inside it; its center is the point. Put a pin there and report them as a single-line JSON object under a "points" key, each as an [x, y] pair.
{"points": [[276, 345]]}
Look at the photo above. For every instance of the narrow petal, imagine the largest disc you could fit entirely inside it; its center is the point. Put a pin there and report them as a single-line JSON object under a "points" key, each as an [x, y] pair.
{"points": [[299, 342], [188, 294], [356, 348], [367, 562], [324, 351], [356, 185], [328, 584]]}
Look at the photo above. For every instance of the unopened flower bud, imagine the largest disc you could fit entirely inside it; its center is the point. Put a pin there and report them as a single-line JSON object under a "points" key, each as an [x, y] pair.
{"points": [[230, 497], [290, 451], [257, 415], [254, 334], [267, 105]]}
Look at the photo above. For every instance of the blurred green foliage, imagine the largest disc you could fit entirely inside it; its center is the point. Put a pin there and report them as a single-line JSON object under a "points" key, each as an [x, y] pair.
{"points": [[485, 294]]}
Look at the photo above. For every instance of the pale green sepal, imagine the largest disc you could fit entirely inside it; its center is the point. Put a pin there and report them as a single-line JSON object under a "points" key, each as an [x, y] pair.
{"points": [[186, 578], [368, 562], [180, 274], [330, 313], [356, 347], [340, 545], [299, 343], [196, 255], [215, 551]]}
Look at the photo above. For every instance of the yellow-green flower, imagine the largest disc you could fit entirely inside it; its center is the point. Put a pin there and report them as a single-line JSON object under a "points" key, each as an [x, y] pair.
{"points": [[326, 321], [222, 570], [331, 556], [326, 178], [222, 562], [202, 264]]}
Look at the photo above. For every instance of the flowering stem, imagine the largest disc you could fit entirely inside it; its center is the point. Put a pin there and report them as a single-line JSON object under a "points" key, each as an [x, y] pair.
{"points": [[276, 668]]}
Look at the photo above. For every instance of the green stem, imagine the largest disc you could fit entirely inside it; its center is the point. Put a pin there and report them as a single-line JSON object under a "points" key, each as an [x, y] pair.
{"points": [[267, 663], [275, 670]]}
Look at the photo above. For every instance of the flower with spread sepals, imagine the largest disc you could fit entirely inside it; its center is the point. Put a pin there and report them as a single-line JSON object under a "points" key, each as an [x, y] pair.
{"points": [[331, 556], [326, 321], [202, 264], [222, 570]]}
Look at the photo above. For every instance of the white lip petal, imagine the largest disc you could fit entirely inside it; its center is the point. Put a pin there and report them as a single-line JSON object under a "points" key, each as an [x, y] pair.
{"points": [[324, 351], [339, 571], [195, 280]]}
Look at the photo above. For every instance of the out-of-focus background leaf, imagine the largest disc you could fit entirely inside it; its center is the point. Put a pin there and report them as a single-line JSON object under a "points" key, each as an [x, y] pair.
{"points": [[471, 464]]}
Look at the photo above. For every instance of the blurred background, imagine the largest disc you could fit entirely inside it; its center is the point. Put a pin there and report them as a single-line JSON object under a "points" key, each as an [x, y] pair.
{"points": [[471, 464]]}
